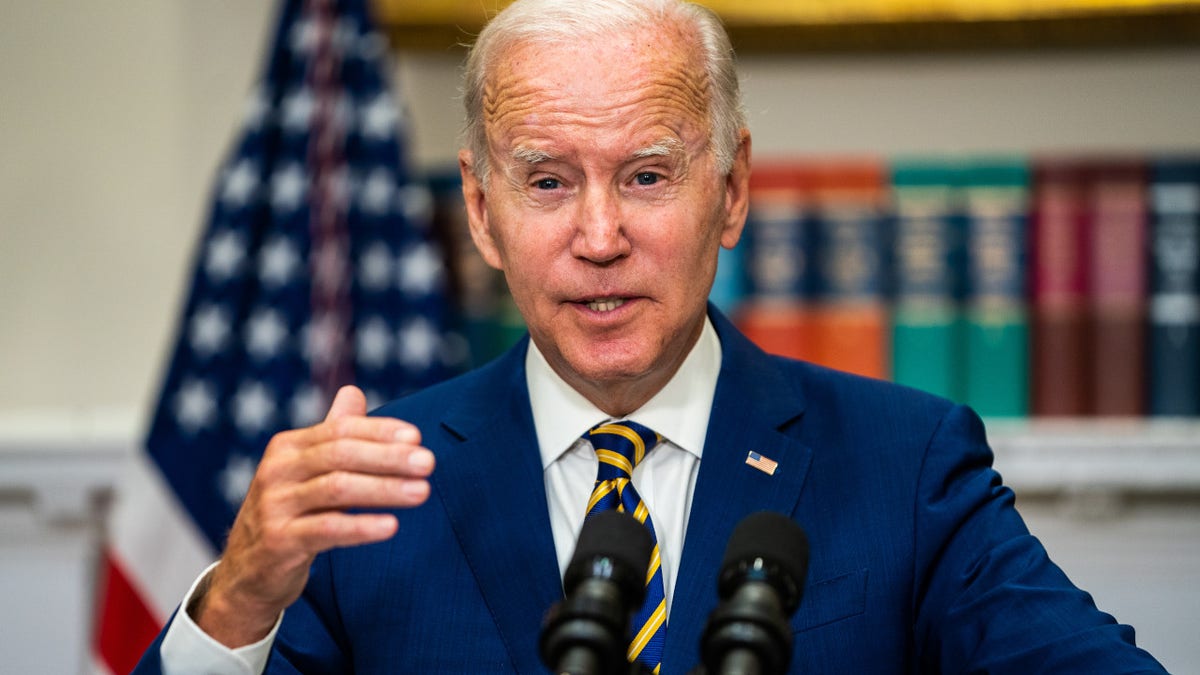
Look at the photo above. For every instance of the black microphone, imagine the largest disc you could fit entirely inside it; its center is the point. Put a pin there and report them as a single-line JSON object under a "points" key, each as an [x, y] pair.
{"points": [[760, 584], [588, 632]]}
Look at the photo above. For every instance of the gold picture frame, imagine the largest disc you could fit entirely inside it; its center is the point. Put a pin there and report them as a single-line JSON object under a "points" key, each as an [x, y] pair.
{"points": [[825, 26]]}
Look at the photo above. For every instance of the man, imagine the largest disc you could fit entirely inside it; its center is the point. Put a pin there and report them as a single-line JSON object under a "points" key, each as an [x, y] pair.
{"points": [[607, 160]]}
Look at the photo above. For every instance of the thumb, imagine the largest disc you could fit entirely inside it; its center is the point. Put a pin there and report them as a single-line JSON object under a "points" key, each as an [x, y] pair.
{"points": [[348, 401]]}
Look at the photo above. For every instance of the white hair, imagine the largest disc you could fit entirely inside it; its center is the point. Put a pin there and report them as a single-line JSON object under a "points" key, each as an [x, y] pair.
{"points": [[563, 21]]}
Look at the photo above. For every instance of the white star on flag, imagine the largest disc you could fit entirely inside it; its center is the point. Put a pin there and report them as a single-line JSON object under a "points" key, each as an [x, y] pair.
{"points": [[418, 343], [416, 203], [256, 109], [223, 257], [376, 194], [195, 405], [253, 407], [289, 186], [265, 333], [303, 37], [208, 330], [373, 343], [277, 262], [379, 118], [239, 183], [420, 269], [307, 406], [234, 480], [298, 106], [375, 267]]}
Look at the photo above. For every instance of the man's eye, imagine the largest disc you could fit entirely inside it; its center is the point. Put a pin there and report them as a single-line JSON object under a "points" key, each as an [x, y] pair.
{"points": [[647, 178], [546, 183]]}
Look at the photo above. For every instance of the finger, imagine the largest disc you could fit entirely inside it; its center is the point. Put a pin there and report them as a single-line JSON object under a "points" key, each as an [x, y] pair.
{"points": [[364, 456], [330, 529], [343, 490], [348, 401]]}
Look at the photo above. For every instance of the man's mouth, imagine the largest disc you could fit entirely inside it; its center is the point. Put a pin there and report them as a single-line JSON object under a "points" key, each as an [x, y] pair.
{"points": [[604, 304]]}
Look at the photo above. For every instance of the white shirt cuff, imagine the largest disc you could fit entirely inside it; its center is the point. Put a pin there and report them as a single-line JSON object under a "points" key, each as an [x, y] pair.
{"points": [[187, 650]]}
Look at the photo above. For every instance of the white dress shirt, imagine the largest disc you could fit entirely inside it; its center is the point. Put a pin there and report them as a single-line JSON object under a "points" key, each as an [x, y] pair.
{"points": [[665, 479]]}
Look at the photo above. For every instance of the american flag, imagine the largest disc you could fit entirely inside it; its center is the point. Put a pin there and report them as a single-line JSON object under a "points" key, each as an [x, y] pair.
{"points": [[763, 464], [316, 269]]}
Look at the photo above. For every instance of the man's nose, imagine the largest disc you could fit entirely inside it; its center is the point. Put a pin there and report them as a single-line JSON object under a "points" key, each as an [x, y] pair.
{"points": [[600, 235]]}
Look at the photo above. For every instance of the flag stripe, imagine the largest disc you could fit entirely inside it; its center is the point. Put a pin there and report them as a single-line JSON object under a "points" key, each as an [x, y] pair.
{"points": [[126, 625]]}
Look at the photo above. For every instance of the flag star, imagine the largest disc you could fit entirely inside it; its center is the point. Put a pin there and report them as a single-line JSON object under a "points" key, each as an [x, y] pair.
{"points": [[420, 269], [379, 118], [298, 106], [307, 406], [371, 47], [195, 405], [223, 256], [253, 408], [277, 261], [256, 109], [418, 343], [303, 36], [376, 195], [265, 333], [208, 330], [239, 183], [234, 479], [373, 343], [375, 267], [416, 203], [289, 187]]}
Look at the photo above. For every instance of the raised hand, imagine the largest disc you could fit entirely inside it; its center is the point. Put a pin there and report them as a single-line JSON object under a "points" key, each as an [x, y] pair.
{"points": [[297, 505]]}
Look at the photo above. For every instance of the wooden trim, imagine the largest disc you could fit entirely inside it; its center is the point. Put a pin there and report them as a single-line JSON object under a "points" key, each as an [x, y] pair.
{"points": [[864, 26]]}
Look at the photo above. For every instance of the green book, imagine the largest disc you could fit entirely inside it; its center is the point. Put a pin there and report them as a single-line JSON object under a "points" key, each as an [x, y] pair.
{"points": [[926, 319], [996, 346]]}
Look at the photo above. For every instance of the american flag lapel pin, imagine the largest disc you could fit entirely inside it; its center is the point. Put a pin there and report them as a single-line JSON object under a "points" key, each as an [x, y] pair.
{"points": [[763, 464]]}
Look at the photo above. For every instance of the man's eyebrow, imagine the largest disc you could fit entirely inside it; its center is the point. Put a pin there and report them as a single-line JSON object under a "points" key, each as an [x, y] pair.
{"points": [[664, 148], [531, 155]]}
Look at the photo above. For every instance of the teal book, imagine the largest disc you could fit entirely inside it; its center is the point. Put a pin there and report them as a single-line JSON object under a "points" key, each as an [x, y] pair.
{"points": [[926, 317], [995, 197]]}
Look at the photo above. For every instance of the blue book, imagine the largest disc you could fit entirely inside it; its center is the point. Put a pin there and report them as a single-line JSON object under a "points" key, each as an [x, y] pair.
{"points": [[1174, 323]]}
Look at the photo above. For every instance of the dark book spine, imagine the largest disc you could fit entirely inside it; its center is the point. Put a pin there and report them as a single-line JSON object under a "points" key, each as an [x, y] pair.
{"points": [[1174, 321]]}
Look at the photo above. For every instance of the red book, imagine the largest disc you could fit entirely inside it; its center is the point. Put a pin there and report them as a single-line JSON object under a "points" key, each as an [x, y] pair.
{"points": [[1117, 211], [1060, 379]]}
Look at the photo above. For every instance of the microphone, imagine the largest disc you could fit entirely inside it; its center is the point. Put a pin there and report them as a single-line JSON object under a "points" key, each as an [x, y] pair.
{"points": [[760, 584], [588, 632]]}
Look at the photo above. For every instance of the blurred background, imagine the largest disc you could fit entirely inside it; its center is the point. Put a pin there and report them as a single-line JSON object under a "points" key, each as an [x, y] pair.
{"points": [[116, 116]]}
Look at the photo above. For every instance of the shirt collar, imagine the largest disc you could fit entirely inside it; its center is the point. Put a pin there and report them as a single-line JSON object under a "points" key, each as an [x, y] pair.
{"points": [[679, 411]]}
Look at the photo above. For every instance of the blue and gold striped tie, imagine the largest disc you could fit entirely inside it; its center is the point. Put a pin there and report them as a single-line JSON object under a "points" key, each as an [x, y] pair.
{"points": [[619, 447]]}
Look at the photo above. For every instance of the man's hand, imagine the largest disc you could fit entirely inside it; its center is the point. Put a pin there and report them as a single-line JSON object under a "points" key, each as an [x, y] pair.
{"points": [[296, 508]]}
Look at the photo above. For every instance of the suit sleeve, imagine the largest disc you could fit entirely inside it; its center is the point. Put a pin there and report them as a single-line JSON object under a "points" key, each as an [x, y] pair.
{"points": [[987, 597]]}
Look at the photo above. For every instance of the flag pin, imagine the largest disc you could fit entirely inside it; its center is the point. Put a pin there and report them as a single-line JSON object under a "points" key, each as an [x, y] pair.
{"points": [[761, 463]]}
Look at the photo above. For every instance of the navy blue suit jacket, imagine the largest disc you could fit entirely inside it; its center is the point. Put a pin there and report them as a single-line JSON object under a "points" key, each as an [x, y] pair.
{"points": [[920, 563]]}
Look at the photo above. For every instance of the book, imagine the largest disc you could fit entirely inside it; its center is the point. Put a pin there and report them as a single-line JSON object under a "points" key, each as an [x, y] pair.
{"points": [[926, 316], [1117, 209], [1060, 376], [848, 320], [995, 197], [1174, 312], [775, 248]]}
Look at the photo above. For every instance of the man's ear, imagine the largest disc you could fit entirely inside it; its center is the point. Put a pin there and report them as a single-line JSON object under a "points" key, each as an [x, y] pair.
{"points": [[477, 212], [737, 193]]}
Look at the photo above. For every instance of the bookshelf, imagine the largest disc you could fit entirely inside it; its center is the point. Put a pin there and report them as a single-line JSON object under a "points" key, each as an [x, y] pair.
{"points": [[867, 25]]}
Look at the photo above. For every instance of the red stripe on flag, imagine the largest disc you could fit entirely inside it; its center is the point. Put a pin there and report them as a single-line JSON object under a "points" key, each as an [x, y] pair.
{"points": [[126, 625]]}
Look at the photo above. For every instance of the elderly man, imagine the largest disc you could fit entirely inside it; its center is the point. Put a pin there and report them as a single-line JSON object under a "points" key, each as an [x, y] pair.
{"points": [[607, 161]]}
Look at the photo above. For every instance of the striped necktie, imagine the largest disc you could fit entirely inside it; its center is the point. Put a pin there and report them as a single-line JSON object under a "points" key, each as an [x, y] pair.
{"points": [[619, 447]]}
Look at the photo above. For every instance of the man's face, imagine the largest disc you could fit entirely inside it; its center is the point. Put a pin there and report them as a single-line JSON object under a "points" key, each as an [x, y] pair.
{"points": [[604, 206]]}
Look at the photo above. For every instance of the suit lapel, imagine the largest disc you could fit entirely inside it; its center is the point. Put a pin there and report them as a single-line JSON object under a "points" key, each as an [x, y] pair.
{"points": [[752, 408], [493, 491]]}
